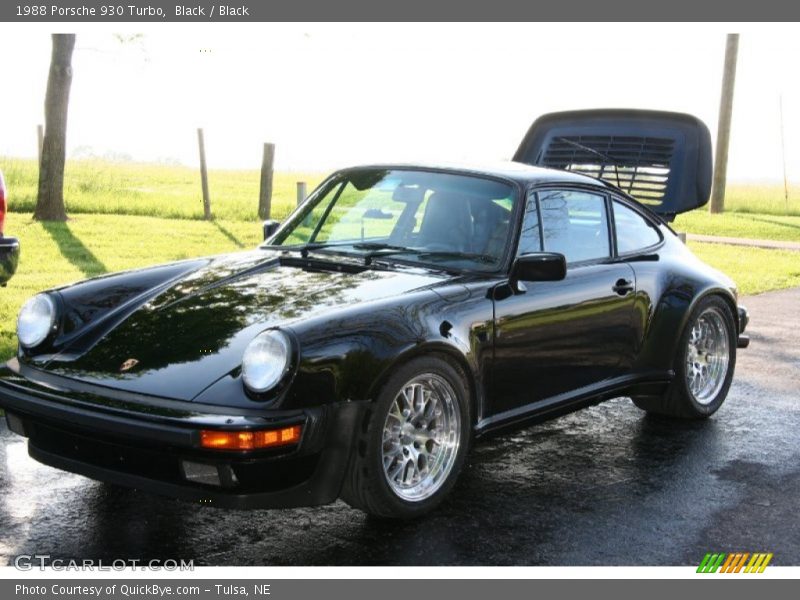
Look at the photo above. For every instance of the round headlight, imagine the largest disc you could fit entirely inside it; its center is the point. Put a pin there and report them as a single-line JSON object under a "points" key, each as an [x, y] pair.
{"points": [[36, 320], [266, 361]]}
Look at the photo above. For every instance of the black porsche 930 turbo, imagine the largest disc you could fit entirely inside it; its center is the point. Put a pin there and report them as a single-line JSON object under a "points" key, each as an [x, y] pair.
{"points": [[398, 314]]}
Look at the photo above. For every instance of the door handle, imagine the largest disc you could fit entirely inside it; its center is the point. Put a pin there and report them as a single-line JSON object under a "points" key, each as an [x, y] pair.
{"points": [[623, 287]]}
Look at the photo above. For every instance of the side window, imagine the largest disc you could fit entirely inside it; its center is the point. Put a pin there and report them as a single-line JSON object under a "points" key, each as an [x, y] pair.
{"points": [[529, 237], [634, 232], [575, 224]]}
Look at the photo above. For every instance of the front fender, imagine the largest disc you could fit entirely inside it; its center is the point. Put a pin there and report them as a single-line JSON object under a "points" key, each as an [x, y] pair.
{"points": [[350, 357], [90, 308], [465, 358]]}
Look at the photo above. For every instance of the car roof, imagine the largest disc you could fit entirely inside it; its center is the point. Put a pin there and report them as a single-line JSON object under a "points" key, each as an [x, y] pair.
{"points": [[516, 171]]}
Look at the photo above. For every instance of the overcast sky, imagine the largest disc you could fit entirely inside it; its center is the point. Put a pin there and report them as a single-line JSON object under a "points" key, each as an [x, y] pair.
{"points": [[332, 95]]}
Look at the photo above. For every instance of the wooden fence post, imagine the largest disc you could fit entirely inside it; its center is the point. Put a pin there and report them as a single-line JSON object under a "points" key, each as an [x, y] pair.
{"points": [[783, 155], [204, 174], [265, 193], [301, 192], [40, 140], [717, 204]]}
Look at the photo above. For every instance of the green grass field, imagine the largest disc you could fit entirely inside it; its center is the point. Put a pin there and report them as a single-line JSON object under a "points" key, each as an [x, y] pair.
{"points": [[762, 199], [88, 245], [742, 225], [101, 187], [755, 270]]}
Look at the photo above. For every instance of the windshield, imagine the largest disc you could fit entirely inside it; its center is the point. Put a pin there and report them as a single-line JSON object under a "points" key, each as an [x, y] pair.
{"points": [[456, 221]]}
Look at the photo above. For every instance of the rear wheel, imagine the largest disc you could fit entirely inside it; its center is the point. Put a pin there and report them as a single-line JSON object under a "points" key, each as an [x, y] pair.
{"points": [[413, 442], [703, 366]]}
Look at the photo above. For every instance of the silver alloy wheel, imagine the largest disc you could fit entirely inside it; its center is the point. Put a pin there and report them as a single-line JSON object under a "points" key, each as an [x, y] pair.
{"points": [[707, 356], [421, 436]]}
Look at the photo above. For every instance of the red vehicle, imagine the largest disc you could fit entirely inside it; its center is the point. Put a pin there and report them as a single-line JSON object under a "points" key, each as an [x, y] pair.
{"points": [[9, 247]]}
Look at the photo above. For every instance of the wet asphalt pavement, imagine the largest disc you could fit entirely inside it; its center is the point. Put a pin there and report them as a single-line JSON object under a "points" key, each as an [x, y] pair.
{"points": [[604, 486]]}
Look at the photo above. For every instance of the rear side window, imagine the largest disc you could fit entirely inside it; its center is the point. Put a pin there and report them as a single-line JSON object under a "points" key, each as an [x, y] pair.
{"points": [[634, 232], [575, 224]]}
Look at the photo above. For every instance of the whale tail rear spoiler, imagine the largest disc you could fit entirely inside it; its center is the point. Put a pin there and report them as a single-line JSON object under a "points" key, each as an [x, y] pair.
{"points": [[662, 159]]}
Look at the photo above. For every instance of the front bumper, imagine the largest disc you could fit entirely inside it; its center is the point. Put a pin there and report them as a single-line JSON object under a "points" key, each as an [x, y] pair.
{"points": [[154, 444], [9, 258]]}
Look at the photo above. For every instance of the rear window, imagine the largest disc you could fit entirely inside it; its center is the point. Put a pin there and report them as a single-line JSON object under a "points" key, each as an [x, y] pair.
{"points": [[634, 232]]}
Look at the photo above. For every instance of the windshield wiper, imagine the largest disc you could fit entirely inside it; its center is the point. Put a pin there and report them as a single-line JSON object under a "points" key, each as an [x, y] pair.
{"points": [[306, 248], [378, 246], [379, 250], [482, 258], [421, 252], [602, 155]]}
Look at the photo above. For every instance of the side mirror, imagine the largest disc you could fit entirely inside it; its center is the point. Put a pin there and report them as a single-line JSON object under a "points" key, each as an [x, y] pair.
{"points": [[270, 227], [540, 266]]}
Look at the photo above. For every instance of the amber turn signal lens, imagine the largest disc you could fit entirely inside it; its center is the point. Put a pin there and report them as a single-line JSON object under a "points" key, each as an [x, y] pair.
{"points": [[250, 440]]}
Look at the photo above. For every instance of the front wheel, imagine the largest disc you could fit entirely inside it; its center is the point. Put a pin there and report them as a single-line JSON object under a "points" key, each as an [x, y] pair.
{"points": [[703, 366], [413, 442]]}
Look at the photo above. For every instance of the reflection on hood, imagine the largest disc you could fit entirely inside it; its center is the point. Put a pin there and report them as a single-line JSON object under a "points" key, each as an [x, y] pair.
{"points": [[197, 329]]}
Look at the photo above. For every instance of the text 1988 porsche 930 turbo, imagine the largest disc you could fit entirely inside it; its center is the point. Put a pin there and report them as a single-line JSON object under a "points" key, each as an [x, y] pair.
{"points": [[395, 316]]}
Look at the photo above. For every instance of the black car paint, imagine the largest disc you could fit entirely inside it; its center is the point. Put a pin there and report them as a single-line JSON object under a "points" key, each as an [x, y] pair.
{"points": [[187, 325], [9, 258], [139, 441], [194, 333]]}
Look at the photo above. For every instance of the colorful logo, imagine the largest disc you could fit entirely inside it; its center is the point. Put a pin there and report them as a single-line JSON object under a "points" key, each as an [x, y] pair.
{"points": [[735, 562]]}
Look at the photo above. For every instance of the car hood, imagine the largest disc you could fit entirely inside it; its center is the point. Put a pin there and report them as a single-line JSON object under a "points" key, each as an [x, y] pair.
{"points": [[179, 341]]}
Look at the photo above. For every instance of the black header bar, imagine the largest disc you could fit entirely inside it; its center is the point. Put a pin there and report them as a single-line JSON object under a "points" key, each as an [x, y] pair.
{"points": [[243, 11]]}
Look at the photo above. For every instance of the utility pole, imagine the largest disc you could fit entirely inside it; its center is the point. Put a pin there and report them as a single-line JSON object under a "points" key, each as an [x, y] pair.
{"points": [[201, 145], [724, 126], [265, 191], [40, 141], [783, 155]]}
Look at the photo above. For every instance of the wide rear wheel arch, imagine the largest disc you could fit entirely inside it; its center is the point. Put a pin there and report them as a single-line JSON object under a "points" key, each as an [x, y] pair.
{"points": [[662, 337], [706, 346]]}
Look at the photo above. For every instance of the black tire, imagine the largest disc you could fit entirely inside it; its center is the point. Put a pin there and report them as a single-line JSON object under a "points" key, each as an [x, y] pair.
{"points": [[366, 484], [678, 401]]}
